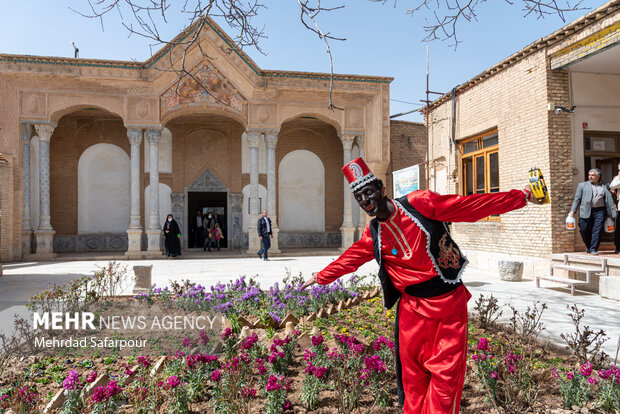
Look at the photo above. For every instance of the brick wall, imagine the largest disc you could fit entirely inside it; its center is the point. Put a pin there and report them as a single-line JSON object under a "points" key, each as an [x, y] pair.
{"points": [[514, 101], [6, 198], [407, 147]]}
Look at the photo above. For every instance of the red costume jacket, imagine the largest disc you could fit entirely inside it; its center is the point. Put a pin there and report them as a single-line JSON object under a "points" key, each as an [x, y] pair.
{"points": [[403, 243]]}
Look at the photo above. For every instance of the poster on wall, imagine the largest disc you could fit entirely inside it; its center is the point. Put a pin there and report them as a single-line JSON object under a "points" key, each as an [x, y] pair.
{"points": [[406, 181]]}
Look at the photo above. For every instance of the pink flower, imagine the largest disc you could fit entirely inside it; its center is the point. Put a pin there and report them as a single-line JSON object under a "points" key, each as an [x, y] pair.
{"points": [[145, 361], [592, 380], [320, 372], [172, 382], [494, 375], [287, 405], [92, 376], [483, 344], [317, 340], [570, 375], [586, 369], [72, 382], [216, 375], [187, 343], [249, 393], [227, 333]]}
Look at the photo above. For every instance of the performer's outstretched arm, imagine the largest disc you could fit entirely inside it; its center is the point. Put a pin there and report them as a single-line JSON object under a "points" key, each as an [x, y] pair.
{"points": [[359, 253], [470, 208]]}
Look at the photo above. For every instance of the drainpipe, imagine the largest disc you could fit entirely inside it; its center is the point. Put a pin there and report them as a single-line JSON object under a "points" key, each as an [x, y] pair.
{"points": [[452, 134]]}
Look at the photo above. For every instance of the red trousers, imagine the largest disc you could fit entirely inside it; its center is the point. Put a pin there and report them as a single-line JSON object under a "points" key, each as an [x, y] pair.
{"points": [[433, 354]]}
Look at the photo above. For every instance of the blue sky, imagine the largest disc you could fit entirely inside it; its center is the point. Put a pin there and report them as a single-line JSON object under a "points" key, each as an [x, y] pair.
{"points": [[381, 40]]}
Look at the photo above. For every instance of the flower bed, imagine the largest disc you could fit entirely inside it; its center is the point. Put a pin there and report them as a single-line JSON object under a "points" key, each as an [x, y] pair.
{"points": [[328, 362]]}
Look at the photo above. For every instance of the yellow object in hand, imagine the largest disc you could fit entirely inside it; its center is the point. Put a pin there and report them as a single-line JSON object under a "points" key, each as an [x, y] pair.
{"points": [[538, 186]]}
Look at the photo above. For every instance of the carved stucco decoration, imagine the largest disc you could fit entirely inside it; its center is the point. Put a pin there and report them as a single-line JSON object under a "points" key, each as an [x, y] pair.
{"points": [[207, 182], [143, 109], [221, 92], [33, 104]]}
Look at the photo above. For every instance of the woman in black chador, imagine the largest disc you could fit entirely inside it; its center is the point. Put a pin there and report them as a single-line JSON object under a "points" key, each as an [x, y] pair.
{"points": [[173, 237]]}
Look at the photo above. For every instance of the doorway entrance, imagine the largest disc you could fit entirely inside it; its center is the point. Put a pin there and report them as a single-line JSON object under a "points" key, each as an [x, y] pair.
{"points": [[602, 151], [207, 202]]}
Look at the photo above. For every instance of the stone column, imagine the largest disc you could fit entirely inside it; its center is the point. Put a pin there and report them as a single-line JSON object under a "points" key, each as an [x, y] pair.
{"points": [[362, 216], [271, 138], [153, 231], [134, 232], [254, 137], [347, 230], [26, 225], [45, 233]]}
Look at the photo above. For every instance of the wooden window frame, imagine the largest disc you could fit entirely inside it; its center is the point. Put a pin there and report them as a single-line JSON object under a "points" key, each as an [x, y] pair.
{"points": [[473, 155]]}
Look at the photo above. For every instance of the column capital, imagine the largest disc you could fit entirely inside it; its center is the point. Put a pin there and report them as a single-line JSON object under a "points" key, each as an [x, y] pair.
{"points": [[134, 135], [153, 135], [271, 138], [253, 137], [360, 138], [44, 131], [26, 133], [347, 139]]}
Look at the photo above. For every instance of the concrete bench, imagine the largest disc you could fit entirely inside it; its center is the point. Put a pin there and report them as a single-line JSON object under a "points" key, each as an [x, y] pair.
{"points": [[571, 282]]}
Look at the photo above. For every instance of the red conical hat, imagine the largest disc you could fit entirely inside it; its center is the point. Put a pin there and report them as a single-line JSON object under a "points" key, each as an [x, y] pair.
{"points": [[358, 174]]}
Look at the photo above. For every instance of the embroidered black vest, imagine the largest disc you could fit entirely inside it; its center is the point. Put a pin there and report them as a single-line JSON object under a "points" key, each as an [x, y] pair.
{"points": [[445, 255]]}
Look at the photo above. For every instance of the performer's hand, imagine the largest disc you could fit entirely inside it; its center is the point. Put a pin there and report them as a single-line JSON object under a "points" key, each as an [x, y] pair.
{"points": [[571, 213], [530, 196], [310, 281]]}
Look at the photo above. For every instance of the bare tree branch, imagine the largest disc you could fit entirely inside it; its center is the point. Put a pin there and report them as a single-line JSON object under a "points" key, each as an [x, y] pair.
{"points": [[447, 14], [145, 18], [311, 13]]}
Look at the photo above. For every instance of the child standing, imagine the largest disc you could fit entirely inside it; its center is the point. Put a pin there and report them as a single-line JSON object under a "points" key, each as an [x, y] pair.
{"points": [[217, 234]]}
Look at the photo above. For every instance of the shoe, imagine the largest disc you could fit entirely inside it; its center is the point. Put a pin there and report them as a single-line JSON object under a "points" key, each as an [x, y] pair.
{"points": [[204, 249], [594, 252], [617, 252], [218, 249], [587, 250], [260, 256], [209, 249], [265, 259]]}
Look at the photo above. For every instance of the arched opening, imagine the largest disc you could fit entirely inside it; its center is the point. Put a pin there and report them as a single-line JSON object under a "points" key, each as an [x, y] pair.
{"points": [[309, 151], [302, 193], [103, 190], [206, 154]]}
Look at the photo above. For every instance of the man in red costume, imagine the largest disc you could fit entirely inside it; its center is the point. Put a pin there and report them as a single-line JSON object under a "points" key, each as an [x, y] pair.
{"points": [[420, 264]]}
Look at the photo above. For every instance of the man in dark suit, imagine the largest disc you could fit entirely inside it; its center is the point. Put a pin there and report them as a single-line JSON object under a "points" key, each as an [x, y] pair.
{"points": [[594, 202], [264, 234]]}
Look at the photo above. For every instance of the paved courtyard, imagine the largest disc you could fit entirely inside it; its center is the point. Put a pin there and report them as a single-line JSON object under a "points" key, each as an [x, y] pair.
{"points": [[24, 279]]}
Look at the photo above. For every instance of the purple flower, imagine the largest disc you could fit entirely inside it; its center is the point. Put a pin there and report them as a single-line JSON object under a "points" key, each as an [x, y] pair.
{"points": [[570, 375], [216, 375], [494, 375], [592, 380]]}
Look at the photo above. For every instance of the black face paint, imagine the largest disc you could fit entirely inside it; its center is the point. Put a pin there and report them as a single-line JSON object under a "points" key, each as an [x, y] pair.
{"points": [[372, 201]]}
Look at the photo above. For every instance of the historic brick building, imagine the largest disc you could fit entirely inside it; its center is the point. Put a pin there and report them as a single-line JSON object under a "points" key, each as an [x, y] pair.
{"points": [[95, 153], [555, 105]]}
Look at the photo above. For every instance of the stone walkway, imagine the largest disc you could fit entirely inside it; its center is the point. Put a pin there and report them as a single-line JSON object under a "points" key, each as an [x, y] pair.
{"points": [[22, 280]]}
